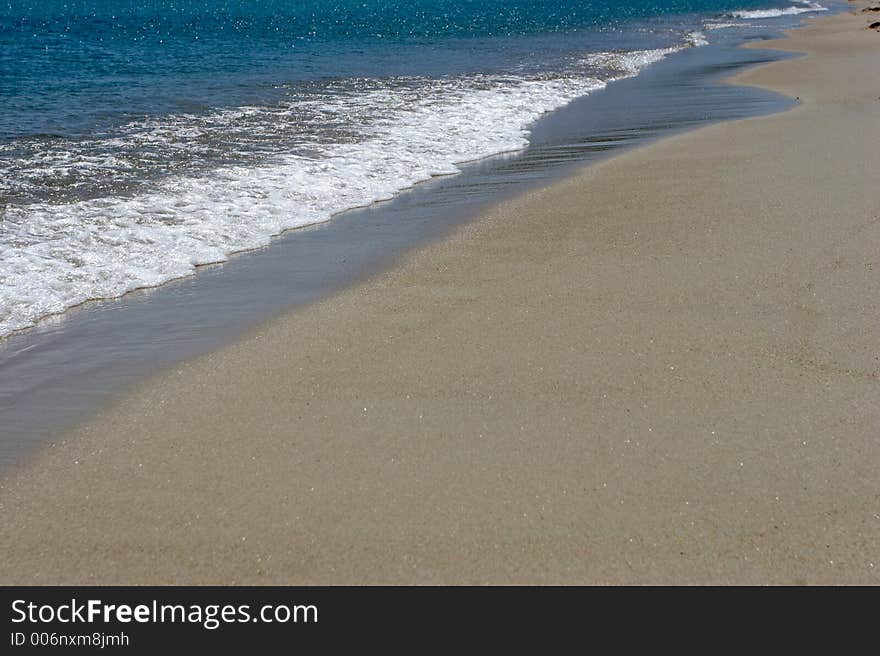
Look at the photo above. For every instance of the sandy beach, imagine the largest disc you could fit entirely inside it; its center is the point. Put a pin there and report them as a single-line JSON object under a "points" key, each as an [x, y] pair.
{"points": [[662, 370]]}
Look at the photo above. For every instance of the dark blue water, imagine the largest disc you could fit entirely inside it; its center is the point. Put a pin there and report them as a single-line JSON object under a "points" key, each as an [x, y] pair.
{"points": [[69, 67], [141, 138]]}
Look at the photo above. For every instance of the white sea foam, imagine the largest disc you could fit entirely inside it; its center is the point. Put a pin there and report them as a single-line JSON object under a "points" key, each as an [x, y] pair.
{"points": [[697, 39], [57, 255], [627, 64], [725, 26], [803, 8]]}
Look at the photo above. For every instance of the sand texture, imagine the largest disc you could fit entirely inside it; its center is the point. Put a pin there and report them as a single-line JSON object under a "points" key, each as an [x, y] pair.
{"points": [[665, 369]]}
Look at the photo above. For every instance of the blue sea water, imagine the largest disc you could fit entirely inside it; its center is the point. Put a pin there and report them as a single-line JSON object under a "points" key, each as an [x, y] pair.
{"points": [[141, 138]]}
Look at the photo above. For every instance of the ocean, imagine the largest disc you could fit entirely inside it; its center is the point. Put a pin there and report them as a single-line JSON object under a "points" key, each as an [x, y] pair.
{"points": [[140, 139]]}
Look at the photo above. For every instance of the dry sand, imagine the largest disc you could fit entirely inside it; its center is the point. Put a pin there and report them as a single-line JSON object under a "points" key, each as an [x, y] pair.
{"points": [[662, 370]]}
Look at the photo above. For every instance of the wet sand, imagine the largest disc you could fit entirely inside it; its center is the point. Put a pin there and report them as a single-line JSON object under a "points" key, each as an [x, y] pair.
{"points": [[661, 370]]}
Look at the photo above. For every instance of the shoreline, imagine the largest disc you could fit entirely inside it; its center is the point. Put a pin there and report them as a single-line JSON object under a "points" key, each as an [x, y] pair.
{"points": [[58, 375], [653, 387], [452, 167]]}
